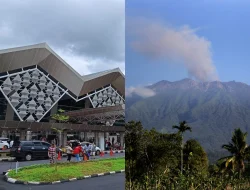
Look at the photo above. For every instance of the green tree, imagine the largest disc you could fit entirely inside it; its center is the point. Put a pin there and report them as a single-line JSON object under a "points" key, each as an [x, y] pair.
{"points": [[150, 156], [134, 150], [161, 157], [182, 128], [239, 152], [59, 117], [195, 158]]}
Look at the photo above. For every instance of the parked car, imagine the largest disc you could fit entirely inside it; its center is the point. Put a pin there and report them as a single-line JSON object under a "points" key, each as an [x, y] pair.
{"points": [[95, 149], [29, 150], [6, 140], [4, 145]]}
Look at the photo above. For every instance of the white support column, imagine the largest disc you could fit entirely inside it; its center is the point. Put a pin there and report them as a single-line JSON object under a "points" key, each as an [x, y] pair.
{"points": [[4, 134], [97, 139], [28, 136], [22, 135], [64, 138], [81, 136], [60, 139], [101, 141], [122, 140], [107, 136], [46, 134]]}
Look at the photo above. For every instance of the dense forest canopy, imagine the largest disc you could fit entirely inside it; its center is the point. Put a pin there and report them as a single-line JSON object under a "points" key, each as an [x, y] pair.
{"points": [[156, 160]]}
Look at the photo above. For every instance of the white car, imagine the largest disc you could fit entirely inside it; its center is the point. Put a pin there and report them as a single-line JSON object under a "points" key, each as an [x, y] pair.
{"points": [[4, 144], [95, 149], [7, 140]]}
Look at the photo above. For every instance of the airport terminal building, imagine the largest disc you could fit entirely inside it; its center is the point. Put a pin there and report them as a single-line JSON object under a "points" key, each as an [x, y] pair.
{"points": [[35, 83]]}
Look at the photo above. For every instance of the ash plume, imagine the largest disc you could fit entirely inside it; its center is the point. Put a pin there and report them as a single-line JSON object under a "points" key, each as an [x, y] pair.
{"points": [[174, 45]]}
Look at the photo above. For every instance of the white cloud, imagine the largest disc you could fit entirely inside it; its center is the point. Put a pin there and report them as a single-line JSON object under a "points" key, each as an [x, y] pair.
{"points": [[140, 91], [89, 35], [157, 40], [85, 65]]}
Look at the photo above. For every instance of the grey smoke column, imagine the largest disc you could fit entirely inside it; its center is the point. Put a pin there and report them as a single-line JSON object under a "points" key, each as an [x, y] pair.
{"points": [[174, 46]]}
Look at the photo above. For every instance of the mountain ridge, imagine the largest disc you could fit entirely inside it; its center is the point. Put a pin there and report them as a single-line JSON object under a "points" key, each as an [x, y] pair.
{"points": [[187, 83], [213, 109]]}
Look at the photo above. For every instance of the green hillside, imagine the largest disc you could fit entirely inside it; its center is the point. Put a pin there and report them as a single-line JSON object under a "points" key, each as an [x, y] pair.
{"points": [[213, 113]]}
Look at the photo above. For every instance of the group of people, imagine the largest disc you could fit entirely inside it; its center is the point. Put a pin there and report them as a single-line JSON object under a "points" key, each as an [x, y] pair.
{"points": [[77, 151]]}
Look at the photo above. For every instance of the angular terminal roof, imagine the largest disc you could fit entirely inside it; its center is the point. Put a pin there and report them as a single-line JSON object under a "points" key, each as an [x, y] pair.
{"points": [[43, 56]]}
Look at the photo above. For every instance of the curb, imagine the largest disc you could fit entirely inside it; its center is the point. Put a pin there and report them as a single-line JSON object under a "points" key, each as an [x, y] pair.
{"points": [[6, 159], [15, 181]]}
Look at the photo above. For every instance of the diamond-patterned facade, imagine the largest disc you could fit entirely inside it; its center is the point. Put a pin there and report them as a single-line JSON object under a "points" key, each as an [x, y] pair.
{"points": [[31, 94], [106, 97]]}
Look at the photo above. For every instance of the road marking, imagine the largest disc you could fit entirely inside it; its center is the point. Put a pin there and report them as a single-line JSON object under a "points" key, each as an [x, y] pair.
{"points": [[11, 180], [54, 182], [33, 182]]}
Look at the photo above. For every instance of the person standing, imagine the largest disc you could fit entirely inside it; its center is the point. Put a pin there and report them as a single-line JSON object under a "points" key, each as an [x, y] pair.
{"points": [[87, 149], [109, 145], [106, 144], [69, 152], [77, 151], [52, 153], [11, 143]]}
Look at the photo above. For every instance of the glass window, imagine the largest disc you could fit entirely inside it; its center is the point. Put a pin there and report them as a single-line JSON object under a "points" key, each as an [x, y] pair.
{"points": [[45, 144], [16, 143], [27, 144], [37, 143], [3, 106]]}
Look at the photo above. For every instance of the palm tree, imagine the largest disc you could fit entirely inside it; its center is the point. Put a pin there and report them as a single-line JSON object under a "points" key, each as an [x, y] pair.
{"points": [[182, 128], [239, 152]]}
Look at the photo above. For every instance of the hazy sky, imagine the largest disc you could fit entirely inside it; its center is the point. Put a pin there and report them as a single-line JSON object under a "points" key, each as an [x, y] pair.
{"points": [[171, 40], [89, 35]]}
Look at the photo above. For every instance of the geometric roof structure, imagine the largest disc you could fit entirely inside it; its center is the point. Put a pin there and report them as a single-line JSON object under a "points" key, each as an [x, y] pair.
{"points": [[42, 56], [34, 78], [103, 114], [43, 126]]}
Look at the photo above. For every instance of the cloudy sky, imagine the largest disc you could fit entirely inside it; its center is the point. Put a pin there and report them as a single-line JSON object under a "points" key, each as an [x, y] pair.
{"points": [[89, 35], [171, 40]]}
